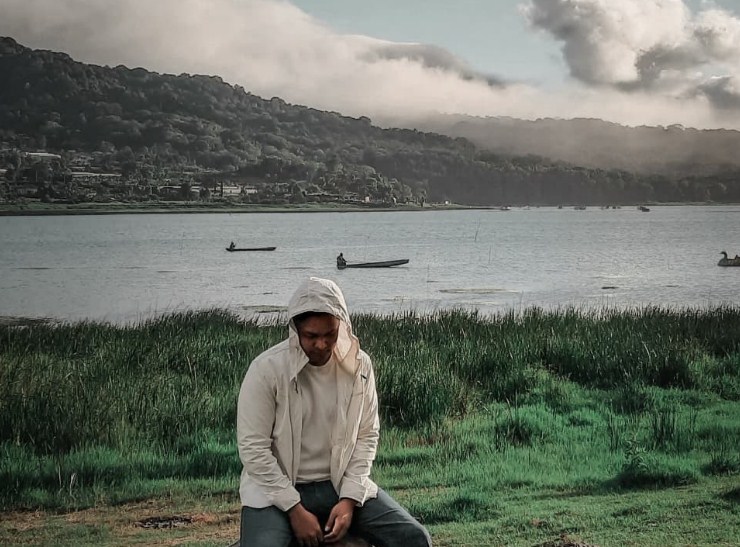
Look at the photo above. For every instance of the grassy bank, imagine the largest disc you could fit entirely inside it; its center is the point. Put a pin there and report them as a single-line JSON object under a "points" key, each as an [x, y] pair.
{"points": [[616, 427]]}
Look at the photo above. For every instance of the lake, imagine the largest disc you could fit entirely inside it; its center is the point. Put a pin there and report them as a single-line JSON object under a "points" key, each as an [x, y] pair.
{"points": [[128, 267]]}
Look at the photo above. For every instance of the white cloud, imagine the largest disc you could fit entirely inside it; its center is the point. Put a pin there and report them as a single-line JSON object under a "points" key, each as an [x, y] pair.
{"points": [[718, 33], [272, 48], [656, 45], [603, 39]]}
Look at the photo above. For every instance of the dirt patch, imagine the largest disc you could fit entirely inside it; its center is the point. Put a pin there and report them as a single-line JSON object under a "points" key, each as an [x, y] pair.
{"points": [[153, 522], [164, 522], [22, 521], [565, 541]]}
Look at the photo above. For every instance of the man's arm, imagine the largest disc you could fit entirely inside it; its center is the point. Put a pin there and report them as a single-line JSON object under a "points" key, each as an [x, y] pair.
{"points": [[254, 423], [354, 483]]}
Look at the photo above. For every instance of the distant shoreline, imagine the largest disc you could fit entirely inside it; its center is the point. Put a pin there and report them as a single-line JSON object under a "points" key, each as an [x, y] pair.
{"points": [[37, 209], [166, 208]]}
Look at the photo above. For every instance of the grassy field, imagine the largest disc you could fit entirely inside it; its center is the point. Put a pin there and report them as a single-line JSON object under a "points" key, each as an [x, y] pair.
{"points": [[538, 428]]}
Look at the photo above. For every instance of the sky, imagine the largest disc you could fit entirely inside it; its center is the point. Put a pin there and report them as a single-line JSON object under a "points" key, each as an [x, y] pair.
{"points": [[492, 35], [635, 62]]}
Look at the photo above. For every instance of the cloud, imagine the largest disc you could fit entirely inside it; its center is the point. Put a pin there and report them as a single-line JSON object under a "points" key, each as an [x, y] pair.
{"points": [[269, 46], [718, 33], [654, 45], [272, 48], [430, 56], [723, 92]]}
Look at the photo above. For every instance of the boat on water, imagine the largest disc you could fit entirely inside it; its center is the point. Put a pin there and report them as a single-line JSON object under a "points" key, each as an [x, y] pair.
{"points": [[382, 264], [726, 261], [643, 209], [236, 249]]}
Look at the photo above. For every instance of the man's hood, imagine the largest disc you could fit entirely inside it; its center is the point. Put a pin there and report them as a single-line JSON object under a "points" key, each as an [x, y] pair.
{"points": [[324, 296]]}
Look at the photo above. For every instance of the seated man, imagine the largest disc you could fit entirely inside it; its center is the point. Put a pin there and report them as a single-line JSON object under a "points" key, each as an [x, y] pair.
{"points": [[307, 432], [340, 260]]}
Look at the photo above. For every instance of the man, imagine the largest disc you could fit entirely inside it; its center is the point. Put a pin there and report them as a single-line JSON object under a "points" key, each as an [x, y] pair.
{"points": [[307, 432]]}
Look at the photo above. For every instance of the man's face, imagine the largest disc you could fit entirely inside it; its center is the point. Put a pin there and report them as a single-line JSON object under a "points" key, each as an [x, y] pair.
{"points": [[318, 336]]}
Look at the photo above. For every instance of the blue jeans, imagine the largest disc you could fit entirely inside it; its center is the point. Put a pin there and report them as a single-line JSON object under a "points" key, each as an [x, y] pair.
{"points": [[380, 521]]}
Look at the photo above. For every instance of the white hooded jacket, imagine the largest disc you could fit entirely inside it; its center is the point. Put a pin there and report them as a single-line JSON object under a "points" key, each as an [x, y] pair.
{"points": [[269, 412]]}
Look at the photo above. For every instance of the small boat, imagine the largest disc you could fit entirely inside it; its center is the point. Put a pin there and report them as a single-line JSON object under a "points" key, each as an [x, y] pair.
{"points": [[725, 261], [383, 264], [235, 249], [643, 209]]}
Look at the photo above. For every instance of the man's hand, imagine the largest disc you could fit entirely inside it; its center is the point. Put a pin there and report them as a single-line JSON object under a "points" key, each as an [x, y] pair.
{"points": [[339, 520], [305, 526]]}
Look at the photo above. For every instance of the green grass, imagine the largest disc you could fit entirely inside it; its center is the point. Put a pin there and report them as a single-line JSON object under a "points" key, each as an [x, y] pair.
{"points": [[510, 430]]}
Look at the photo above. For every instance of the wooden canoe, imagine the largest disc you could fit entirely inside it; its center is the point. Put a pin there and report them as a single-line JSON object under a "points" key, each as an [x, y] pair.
{"points": [[383, 264], [236, 249]]}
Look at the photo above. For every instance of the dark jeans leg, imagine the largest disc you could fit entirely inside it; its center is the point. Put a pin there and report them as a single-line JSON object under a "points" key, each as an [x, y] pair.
{"points": [[384, 523], [268, 527]]}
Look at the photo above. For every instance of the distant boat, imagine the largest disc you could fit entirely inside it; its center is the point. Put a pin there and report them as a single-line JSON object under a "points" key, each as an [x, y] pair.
{"points": [[725, 261], [383, 264], [580, 207], [643, 209], [236, 249]]}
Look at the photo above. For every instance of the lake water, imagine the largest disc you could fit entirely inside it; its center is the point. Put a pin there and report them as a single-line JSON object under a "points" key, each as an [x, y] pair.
{"points": [[123, 268]]}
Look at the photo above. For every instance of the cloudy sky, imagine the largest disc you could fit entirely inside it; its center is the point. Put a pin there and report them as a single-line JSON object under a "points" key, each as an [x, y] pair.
{"points": [[637, 62]]}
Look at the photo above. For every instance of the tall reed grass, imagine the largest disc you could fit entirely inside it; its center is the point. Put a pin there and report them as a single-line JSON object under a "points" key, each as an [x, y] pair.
{"points": [[157, 400]]}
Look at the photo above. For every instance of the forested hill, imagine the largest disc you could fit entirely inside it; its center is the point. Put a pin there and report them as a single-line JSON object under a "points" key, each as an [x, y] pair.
{"points": [[150, 124]]}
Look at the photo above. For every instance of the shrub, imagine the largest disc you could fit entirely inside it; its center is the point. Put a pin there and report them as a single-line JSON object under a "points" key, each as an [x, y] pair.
{"points": [[643, 469], [524, 426]]}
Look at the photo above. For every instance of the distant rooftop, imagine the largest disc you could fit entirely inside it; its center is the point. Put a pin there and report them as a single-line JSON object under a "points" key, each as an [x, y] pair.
{"points": [[43, 155], [84, 174]]}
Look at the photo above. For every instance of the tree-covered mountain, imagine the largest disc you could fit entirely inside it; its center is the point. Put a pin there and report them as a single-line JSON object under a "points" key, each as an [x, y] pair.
{"points": [[153, 127]]}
